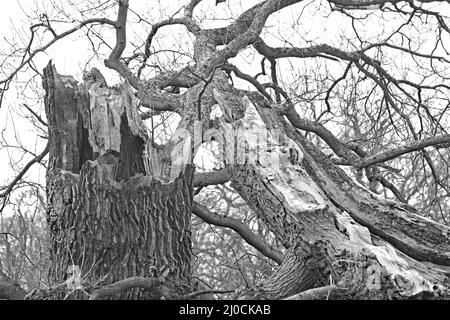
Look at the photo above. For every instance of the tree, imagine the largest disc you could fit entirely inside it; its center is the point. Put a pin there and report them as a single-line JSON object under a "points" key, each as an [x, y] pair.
{"points": [[119, 203]]}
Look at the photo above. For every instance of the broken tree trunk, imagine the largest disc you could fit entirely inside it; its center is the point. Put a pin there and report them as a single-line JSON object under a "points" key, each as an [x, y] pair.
{"points": [[112, 213]]}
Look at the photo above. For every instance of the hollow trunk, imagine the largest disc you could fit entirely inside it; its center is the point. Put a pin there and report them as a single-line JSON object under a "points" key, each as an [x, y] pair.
{"points": [[112, 214]]}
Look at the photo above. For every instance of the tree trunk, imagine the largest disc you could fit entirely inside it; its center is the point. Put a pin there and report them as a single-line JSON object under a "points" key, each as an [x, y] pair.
{"points": [[337, 232], [112, 213]]}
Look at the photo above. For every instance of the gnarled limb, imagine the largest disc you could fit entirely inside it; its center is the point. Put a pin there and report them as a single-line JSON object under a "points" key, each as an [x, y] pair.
{"points": [[241, 228]]}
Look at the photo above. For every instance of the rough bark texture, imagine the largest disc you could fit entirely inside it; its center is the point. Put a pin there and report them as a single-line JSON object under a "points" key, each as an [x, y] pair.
{"points": [[111, 212]]}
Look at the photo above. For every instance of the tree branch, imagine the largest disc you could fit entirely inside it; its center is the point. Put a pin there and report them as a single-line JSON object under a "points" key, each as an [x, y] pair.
{"points": [[134, 282], [396, 152], [50, 43], [188, 11], [231, 223], [337, 146], [245, 30], [186, 21], [35, 114], [246, 77], [203, 179], [308, 52], [148, 94]]}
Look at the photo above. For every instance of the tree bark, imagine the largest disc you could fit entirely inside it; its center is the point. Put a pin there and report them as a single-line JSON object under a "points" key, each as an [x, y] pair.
{"points": [[110, 211]]}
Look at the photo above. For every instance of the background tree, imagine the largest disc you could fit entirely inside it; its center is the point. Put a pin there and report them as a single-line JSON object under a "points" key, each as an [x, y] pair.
{"points": [[353, 158]]}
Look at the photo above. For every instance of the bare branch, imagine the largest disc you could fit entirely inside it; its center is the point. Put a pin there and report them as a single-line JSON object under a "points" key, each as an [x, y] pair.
{"points": [[307, 52], [186, 21], [113, 61], [123, 285], [246, 77], [337, 146], [24, 170], [188, 11], [35, 114], [55, 39], [203, 179], [396, 152], [149, 95], [253, 240]]}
